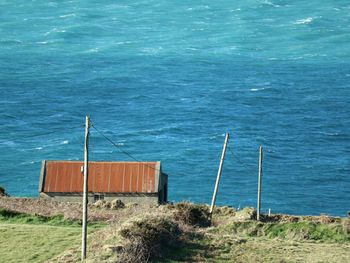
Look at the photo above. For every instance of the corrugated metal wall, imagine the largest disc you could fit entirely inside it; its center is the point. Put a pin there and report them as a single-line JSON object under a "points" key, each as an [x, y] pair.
{"points": [[104, 177]]}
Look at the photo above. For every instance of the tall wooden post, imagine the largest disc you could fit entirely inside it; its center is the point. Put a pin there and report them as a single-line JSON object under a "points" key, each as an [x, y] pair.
{"points": [[85, 193], [219, 173], [259, 183]]}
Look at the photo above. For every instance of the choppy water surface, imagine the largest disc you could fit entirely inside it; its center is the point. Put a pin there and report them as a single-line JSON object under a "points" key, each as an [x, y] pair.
{"points": [[166, 79]]}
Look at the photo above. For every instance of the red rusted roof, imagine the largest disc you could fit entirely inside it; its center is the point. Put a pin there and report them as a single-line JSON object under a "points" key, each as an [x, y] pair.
{"points": [[104, 177]]}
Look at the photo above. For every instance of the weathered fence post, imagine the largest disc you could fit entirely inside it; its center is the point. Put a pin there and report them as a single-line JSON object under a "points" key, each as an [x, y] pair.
{"points": [[85, 193], [259, 183], [219, 173]]}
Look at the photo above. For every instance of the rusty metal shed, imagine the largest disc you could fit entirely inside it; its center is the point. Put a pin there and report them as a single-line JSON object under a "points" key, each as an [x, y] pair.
{"points": [[141, 182]]}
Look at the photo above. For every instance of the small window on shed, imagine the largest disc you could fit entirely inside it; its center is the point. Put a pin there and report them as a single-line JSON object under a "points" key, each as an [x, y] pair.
{"points": [[98, 197]]}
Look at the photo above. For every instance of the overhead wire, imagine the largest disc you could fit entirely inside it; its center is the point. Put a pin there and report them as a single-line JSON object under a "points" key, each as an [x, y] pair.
{"points": [[121, 150], [234, 156], [249, 167]]}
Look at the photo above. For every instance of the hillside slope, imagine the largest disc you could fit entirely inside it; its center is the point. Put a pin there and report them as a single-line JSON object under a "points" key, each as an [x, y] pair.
{"points": [[171, 233]]}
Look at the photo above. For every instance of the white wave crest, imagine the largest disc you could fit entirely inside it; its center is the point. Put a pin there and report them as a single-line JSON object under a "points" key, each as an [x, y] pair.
{"points": [[266, 2], [93, 50], [68, 15], [256, 89], [8, 143], [55, 30], [304, 21]]}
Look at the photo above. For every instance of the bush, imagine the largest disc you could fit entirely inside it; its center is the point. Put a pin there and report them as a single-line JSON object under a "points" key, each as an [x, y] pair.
{"points": [[246, 213], [116, 204], [147, 238], [225, 211], [3, 191], [193, 215], [100, 203]]}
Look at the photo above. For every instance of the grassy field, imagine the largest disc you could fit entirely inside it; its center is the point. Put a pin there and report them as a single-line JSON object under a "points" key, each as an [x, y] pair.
{"points": [[32, 238], [40, 243], [175, 233], [35, 243]]}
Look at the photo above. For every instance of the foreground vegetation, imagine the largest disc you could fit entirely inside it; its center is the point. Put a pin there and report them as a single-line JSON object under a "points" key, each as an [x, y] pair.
{"points": [[184, 233], [173, 233], [35, 243], [13, 217], [34, 238]]}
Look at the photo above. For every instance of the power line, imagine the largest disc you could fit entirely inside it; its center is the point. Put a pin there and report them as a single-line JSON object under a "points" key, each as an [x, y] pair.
{"points": [[247, 166], [121, 150], [137, 160]]}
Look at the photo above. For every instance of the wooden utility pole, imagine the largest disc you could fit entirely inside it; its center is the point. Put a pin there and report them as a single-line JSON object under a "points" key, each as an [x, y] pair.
{"points": [[219, 173], [259, 183], [85, 193]]}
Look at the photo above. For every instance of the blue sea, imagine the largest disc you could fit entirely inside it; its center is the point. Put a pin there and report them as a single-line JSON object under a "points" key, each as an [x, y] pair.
{"points": [[165, 80]]}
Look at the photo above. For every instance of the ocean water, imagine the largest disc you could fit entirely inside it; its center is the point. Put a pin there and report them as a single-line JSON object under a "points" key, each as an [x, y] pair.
{"points": [[166, 79]]}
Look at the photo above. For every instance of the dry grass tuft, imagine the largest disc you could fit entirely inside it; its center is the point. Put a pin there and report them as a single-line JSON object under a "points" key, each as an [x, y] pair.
{"points": [[346, 225], [246, 213], [324, 219], [101, 204], [117, 204], [191, 214], [147, 238], [225, 211], [114, 204]]}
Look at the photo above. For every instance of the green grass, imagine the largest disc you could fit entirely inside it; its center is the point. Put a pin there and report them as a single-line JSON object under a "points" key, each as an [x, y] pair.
{"points": [[35, 243], [294, 231], [186, 252], [12, 217], [33, 238]]}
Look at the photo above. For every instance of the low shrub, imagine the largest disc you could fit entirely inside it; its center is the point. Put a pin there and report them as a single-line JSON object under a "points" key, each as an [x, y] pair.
{"points": [[102, 204], [225, 211], [117, 204], [114, 204], [191, 214], [246, 213], [3, 191], [148, 238]]}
